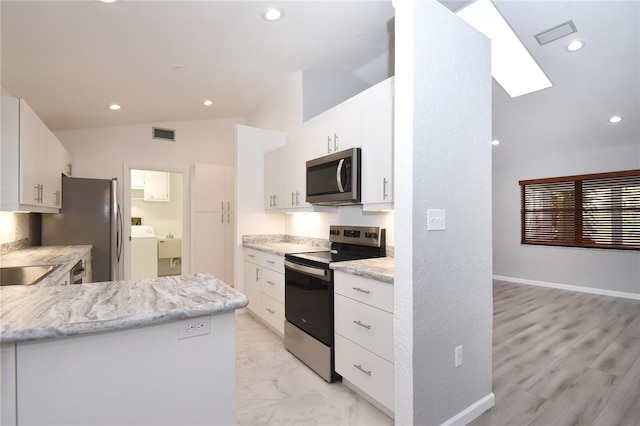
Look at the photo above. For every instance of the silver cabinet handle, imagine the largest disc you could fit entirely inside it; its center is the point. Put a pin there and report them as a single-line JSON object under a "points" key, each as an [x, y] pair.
{"points": [[70, 169], [335, 142], [271, 310], [257, 274], [275, 200], [339, 175], [251, 255], [328, 144], [384, 188], [228, 218], [222, 205], [271, 282], [359, 367], [293, 198], [228, 206], [271, 262], [297, 198], [361, 290], [221, 217], [368, 327]]}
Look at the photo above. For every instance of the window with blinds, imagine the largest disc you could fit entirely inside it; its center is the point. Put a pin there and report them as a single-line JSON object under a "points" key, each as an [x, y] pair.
{"points": [[599, 210]]}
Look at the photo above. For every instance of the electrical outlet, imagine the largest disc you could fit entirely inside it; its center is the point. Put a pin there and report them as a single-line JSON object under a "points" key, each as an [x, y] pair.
{"points": [[458, 356], [193, 327]]}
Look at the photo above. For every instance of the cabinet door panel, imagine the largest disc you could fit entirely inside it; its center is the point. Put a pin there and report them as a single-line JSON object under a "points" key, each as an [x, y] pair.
{"points": [[252, 286], [209, 248], [33, 142], [209, 188], [377, 146]]}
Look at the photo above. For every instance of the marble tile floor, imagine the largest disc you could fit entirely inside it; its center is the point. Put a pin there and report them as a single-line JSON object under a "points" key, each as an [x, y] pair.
{"points": [[275, 388]]}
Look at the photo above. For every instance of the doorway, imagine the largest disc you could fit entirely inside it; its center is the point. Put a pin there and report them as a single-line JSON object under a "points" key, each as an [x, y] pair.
{"points": [[157, 222]]}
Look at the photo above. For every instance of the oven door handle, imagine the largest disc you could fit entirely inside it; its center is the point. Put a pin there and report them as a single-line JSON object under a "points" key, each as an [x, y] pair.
{"points": [[316, 272]]}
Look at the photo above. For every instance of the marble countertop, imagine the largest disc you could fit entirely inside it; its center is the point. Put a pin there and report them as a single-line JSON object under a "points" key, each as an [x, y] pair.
{"points": [[30, 313], [380, 268], [48, 255]]}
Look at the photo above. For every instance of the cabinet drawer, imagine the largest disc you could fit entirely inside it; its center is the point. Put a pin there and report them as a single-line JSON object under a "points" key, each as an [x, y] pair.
{"points": [[367, 326], [272, 284], [369, 372], [272, 312], [365, 290], [268, 260]]}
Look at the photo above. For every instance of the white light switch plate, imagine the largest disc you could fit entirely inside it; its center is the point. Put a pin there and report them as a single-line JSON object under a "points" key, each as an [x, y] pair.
{"points": [[436, 220]]}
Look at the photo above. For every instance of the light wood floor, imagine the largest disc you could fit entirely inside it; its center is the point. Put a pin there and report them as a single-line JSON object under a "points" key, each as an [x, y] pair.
{"points": [[564, 358]]}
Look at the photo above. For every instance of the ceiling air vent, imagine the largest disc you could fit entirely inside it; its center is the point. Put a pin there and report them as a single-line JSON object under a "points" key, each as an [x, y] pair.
{"points": [[556, 32], [164, 134]]}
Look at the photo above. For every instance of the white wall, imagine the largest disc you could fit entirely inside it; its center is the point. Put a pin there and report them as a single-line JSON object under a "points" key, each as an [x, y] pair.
{"points": [[322, 90], [443, 160], [615, 272]]}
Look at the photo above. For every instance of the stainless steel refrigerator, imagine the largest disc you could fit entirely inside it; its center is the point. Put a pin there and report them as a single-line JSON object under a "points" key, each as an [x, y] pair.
{"points": [[90, 214]]}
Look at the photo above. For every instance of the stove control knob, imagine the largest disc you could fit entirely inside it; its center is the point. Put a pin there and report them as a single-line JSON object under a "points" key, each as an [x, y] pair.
{"points": [[373, 235], [334, 232]]}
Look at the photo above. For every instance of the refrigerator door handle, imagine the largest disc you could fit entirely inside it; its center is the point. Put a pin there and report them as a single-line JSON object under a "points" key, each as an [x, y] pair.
{"points": [[120, 231]]}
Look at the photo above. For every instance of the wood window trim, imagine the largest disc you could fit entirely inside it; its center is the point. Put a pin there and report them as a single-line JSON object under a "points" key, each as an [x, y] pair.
{"points": [[597, 217]]}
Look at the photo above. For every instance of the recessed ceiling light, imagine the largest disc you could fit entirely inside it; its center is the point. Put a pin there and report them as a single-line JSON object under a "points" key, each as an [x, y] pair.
{"points": [[615, 119], [207, 102], [108, 1], [114, 107], [272, 14], [575, 45], [512, 66], [495, 142]]}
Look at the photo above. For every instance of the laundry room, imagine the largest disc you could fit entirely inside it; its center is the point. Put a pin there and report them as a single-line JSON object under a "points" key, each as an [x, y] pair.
{"points": [[156, 223]]}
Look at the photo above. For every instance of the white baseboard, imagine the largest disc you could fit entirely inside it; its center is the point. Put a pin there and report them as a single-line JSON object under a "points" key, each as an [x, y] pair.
{"points": [[602, 292], [467, 415]]}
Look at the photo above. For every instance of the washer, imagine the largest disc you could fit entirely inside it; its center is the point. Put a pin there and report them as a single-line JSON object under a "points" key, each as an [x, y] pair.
{"points": [[144, 252]]}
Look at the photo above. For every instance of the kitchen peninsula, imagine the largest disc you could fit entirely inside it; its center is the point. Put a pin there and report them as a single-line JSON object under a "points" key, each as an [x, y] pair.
{"points": [[151, 351]]}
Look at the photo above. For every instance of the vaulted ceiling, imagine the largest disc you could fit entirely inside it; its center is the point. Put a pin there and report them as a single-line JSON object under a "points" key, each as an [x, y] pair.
{"points": [[161, 59]]}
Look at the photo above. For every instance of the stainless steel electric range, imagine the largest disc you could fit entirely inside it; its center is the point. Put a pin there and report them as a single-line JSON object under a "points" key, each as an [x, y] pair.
{"points": [[308, 332]]}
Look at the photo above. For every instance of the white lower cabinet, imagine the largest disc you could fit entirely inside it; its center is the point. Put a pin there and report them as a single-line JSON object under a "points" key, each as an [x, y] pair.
{"points": [[264, 287], [364, 336]]}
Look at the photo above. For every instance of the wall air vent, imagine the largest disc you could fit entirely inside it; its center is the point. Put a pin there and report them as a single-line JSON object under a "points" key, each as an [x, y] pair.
{"points": [[164, 134], [556, 32]]}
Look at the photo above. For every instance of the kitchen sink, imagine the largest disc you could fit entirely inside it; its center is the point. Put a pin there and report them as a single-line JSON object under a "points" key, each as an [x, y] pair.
{"points": [[25, 275]]}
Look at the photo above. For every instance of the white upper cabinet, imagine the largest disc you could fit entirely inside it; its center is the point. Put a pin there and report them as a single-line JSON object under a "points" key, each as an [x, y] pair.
{"points": [[31, 175], [335, 130], [156, 186], [377, 147]]}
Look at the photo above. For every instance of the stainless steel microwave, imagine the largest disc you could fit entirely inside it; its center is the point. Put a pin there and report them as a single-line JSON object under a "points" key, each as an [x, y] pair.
{"points": [[335, 178]]}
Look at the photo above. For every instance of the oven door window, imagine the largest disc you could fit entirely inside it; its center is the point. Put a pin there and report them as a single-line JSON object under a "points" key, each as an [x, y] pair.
{"points": [[309, 304]]}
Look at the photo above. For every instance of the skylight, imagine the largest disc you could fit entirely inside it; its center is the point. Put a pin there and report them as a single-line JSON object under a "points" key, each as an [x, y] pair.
{"points": [[512, 66]]}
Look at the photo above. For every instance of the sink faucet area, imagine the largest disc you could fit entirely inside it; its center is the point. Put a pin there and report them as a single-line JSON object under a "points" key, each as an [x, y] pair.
{"points": [[25, 275]]}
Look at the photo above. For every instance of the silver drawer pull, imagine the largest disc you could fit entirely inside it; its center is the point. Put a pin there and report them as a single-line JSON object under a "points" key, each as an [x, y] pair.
{"points": [[361, 290], [271, 310], [359, 367], [271, 261], [271, 282], [251, 255], [368, 327]]}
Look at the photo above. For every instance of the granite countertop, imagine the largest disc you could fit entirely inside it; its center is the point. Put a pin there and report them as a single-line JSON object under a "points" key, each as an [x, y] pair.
{"points": [[379, 268], [48, 255], [30, 313], [283, 244]]}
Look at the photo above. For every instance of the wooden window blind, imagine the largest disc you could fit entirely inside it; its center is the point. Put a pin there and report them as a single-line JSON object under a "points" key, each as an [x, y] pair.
{"points": [[598, 210]]}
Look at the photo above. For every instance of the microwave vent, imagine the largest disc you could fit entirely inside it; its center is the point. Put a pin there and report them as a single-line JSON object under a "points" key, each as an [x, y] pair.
{"points": [[164, 134]]}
